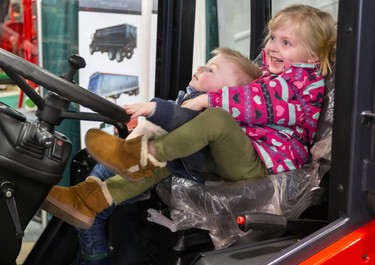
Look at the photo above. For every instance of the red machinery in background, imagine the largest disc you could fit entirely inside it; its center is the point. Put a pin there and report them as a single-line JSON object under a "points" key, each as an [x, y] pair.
{"points": [[18, 33]]}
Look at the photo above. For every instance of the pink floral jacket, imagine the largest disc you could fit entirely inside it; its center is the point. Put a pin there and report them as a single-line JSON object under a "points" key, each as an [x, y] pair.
{"points": [[278, 112]]}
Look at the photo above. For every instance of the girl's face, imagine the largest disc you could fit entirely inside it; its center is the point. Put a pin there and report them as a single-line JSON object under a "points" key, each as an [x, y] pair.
{"points": [[218, 72], [284, 48]]}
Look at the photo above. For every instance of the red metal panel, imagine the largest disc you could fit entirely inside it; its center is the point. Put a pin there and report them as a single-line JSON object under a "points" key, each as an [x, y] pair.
{"points": [[357, 247]]}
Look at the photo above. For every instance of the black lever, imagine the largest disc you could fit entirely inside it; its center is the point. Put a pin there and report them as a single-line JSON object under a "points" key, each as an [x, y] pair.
{"points": [[76, 62], [8, 190], [263, 222]]}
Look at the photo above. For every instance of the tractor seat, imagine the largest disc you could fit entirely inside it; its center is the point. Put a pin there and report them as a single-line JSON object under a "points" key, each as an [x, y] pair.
{"points": [[215, 206]]}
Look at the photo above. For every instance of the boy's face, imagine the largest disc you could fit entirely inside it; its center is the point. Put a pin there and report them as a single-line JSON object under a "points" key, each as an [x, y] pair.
{"points": [[218, 72], [284, 48]]}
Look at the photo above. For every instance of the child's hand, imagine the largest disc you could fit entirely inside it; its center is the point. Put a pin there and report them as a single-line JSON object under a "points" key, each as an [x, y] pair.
{"points": [[199, 103], [140, 109]]}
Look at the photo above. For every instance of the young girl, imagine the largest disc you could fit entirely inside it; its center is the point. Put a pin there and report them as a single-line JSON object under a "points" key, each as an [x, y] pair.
{"points": [[278, 113]]}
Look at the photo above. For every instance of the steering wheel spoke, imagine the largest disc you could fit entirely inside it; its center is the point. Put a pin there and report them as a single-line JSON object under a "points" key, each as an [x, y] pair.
{"points": [[87, 116], [26, 88]]}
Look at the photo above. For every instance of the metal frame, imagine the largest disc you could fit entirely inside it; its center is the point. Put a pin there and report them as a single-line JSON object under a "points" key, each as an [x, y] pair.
{"points": [[175, 39], [261, 12]]}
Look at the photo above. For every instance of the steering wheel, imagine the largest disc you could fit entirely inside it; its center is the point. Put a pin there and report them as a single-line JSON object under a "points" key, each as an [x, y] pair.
{"points": [[19, 69], [33, 155]]}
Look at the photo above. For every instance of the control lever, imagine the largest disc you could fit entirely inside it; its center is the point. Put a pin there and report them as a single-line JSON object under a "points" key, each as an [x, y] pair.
{"points": [[263, 222], [8, 190], [45, 138], [76, 62]]}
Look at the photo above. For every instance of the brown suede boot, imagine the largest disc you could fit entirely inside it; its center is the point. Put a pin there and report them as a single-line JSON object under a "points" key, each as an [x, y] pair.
{"points": [[129, 158], [78, 205]]}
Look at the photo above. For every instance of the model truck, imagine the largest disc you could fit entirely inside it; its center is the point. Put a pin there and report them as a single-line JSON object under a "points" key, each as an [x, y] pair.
{"points": [[118, 41], [113, 85]]}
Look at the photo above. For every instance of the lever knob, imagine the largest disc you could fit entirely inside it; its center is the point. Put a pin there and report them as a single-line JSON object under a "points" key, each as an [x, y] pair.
{"points": [[76, 62]]}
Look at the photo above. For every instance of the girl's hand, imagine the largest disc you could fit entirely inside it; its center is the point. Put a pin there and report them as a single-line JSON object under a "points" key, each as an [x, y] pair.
{"points": [[198, 103], [140, 109]]}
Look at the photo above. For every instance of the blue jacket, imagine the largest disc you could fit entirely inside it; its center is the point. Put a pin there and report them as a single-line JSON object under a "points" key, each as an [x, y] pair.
{"points": [[169, 114]]}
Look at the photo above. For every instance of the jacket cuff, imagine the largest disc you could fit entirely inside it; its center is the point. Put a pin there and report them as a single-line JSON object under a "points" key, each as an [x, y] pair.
{"points": [[163, 113]]}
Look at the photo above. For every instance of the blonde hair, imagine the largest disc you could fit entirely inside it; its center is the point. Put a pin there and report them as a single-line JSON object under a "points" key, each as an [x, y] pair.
{"points": [[316, 28], [248, 67]]}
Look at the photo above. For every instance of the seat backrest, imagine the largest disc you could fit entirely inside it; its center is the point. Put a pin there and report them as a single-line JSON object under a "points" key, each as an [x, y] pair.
{"points": [[326, 114]]}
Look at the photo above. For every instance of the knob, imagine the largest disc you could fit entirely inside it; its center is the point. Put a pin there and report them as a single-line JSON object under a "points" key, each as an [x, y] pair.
{"points": [[45, 138], [76, 62]]}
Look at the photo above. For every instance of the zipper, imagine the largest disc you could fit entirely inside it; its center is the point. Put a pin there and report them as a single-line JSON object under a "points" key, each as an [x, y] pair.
{"points": [[187, 170]]}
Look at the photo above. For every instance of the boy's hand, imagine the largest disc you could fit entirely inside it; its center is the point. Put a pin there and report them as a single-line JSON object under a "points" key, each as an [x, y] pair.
{"points": [[198, 103], [140, 109]]}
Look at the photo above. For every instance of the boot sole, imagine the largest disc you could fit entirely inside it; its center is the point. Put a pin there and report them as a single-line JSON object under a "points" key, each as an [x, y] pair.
{"points": [[67, 213]]}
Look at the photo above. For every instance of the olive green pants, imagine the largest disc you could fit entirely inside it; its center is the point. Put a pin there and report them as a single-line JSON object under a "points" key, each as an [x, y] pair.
{"points": [[231, 156]]}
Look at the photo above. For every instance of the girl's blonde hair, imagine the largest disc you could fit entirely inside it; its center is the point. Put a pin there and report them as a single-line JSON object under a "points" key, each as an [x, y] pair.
{"points": [[248, 67], [316, 28]]}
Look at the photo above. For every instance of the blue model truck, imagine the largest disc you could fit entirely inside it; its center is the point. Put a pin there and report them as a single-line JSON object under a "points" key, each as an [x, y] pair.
{"points": [[113, 85], [118, 41]]}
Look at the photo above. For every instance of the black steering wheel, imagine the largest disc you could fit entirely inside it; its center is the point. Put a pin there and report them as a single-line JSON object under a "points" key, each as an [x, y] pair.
{"points": [[33, 156], [64, 90]]}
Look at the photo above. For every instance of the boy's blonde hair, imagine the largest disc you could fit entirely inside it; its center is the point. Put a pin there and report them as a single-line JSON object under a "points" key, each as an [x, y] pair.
{"points": [[248, 67], [316, 28]]}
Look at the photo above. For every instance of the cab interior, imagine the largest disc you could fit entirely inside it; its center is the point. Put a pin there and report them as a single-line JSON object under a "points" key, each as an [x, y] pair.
{"points": [[314, 204]]}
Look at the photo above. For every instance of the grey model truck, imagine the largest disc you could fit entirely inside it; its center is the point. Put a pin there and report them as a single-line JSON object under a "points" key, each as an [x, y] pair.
{"points": [[118, 41]]}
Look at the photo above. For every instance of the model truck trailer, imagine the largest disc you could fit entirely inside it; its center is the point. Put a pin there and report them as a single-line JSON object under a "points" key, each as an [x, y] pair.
{"points": [[118, 41]]}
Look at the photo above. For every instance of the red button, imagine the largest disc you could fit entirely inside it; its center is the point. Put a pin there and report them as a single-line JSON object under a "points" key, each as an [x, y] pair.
{"points": [[240, 220]]}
